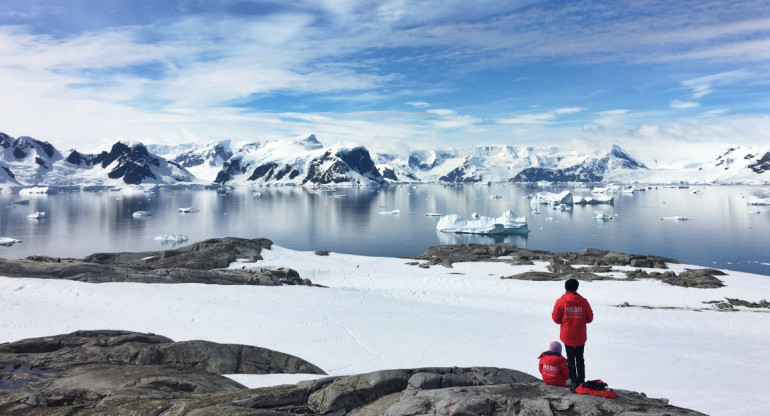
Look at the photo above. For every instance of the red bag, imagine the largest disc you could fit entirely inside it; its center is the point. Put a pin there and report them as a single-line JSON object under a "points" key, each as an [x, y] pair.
{"points": [[595, 388]]}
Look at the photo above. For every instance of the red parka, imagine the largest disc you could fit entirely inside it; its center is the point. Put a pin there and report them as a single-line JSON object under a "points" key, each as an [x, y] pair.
{"points": [[553, 368], [572, 312]]}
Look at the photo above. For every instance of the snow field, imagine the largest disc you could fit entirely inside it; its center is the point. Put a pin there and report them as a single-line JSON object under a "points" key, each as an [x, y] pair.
{"points": [[381, 313]]}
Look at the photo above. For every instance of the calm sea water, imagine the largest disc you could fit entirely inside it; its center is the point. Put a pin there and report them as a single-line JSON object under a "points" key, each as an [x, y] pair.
{"points": [[722, 232]]}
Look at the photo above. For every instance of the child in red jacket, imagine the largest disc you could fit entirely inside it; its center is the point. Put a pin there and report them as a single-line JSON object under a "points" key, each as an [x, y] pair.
{"points": [[553, 367]]}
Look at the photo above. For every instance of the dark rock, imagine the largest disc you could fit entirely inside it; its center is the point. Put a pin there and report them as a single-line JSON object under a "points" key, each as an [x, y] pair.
{"points": [[321, 253], [202, 262]]}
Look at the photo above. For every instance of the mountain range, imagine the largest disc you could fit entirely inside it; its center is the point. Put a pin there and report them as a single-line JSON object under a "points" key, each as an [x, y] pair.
{"points": [[305, 161]]}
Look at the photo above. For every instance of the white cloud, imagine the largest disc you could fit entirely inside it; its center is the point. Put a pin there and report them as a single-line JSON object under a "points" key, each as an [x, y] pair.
{"points": [[677, 104], [617, 112], [418, 104], [441, 112], [540, 118], [702, 86]]}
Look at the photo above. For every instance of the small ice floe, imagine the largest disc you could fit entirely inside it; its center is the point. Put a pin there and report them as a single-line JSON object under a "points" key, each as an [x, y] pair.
{"points": [[256, 193], [171, 238], [628, 189], [394, 212], [754, 212], [34, 190], [696, 192], [432, 214], [675, 218], [755, 200], [140, 214], [548, 219], [475, 215], [8, 241], [187, 210], [600, 215], [36, 215], [495, 196], [549, 198]]}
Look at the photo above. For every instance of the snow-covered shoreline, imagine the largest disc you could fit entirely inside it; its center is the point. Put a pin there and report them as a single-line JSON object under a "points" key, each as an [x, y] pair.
{"points": [[380, 313]]}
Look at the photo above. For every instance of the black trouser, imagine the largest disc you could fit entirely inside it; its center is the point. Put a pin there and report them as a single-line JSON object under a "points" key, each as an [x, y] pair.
{"points": [[575, 364]]}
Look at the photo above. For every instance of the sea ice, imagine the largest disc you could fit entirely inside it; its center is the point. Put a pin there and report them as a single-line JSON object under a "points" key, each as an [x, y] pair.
{"points": [[600, 215], [454, 223], [188, 210], [755, 200], [593, 200], [495, 197], [34, 190], [432, 214], [174, 238], [8, 241], [36, 215], [675, 218], [564, 197], [140, 214], [511, 221], [394, 212]]}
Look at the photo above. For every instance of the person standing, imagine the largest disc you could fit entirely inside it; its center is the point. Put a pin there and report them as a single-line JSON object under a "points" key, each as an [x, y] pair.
{"points": [[573, 312]]}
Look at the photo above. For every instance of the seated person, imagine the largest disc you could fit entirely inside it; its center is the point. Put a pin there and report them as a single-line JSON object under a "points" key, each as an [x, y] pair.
{"points": [[553, 367]]}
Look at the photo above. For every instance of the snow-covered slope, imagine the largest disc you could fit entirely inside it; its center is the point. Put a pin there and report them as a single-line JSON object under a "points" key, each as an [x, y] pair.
{"points": [[205, 161], [30, 161], [300, 161], [594, 169]]}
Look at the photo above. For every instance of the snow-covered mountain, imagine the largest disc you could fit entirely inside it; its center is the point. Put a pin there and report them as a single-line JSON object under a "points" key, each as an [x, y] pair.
{"points": [[592, 169], [306, 161]]}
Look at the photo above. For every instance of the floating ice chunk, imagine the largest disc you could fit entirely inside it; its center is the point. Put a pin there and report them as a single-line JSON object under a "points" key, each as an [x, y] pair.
{"points": [[754, 212], [454, 223], [628, 189], [598, 190], [600, 215], [564, 197], [187, 210], [8, 241], [173, 238], [755, 200], [675, 218], [495, 196], [140, 214], [36, 215], [432, 214], [34, 190], [475, 215], [511, 221], [394, 212]]}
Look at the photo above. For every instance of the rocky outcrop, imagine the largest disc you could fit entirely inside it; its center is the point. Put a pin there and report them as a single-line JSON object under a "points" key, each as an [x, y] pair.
{"points": [[96, 369], [202, 262], [582, 265], [405, 392]]}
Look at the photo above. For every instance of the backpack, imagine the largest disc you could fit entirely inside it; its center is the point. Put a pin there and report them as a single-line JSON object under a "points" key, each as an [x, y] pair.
{"points": [[595, 388]]}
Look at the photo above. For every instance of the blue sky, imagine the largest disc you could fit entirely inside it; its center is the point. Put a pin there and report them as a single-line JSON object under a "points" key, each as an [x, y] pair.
{"points": [[641, 73]]}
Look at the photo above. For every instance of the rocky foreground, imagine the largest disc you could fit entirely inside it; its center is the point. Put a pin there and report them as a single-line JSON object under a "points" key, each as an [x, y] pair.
{"points": [[130, 373]]}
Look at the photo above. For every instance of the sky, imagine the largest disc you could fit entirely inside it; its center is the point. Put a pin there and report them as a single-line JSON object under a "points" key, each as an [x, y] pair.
{"points": [[660, 78]]}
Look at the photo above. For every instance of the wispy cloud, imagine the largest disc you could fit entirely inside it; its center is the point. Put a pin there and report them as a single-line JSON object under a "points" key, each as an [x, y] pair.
{"points": [[703, 86], [679, 105], [418, 104], [540, 118]]}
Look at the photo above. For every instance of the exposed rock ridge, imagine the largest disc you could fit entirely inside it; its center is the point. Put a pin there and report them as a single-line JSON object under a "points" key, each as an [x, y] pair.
{"points": [[202, 262]]}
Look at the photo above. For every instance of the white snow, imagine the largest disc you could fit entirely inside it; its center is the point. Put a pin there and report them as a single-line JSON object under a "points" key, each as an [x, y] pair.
{"points": [[140, 214], [173, 238], [380, 313], [8, 241], [755, 200], [36, 215], [564, 197], [592, 200]]}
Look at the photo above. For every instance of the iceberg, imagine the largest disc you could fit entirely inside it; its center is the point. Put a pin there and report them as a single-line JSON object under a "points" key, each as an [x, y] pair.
{"points": [[140, 214], [432, 214], [511, 221], [394, 212], [495, 197], [36, 215], [173, 238], [755, 200], [598, 190], [188, 210], [593, 200], [550, 198], [600, 215], [8, 241], [34, 190], [454, 223], [675, 218]]}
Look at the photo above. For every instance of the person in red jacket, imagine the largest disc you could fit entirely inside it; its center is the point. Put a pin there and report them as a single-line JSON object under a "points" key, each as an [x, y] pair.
{"points": [[553, 367], [573, 312]]}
